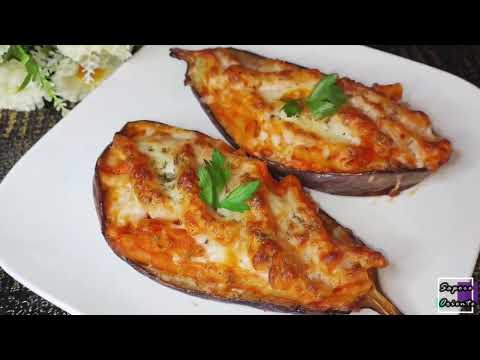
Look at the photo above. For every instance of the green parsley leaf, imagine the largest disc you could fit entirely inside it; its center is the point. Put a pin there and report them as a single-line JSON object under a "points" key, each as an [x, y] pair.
{"points": [[292, 108], [323, 109], [326, 97], [213, 176], [235, 201], [322, 89], [206, 186], [337, 96], [216, 177], [218, 159], [221, 168]]}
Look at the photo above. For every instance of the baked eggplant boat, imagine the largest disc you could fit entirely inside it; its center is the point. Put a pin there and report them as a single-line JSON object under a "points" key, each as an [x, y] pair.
{"points": [[196, 215], [336, 135]]}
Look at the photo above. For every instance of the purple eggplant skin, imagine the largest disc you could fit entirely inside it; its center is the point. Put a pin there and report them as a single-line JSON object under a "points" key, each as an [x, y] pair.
{"points": [[359, 184], [374, 183], [99, 200], [99, 196]]}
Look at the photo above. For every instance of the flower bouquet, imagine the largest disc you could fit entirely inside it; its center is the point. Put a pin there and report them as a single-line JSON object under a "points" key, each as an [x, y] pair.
{"points": [[32, 76]]}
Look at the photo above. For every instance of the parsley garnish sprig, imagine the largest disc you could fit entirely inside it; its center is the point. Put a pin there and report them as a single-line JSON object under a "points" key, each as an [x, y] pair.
{"points": [[325, 99], [213, 176]]}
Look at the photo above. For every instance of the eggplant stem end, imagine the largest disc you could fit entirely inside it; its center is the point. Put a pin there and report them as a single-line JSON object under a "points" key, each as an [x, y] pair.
{"points": [[376, 301]]}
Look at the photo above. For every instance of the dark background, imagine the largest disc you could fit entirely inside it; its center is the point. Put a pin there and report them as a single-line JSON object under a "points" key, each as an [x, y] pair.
{"points": [[19, 131]]}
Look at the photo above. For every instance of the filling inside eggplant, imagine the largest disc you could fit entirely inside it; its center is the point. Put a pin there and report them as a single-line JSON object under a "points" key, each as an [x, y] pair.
{"points": [[307, 120], [198, 216]]}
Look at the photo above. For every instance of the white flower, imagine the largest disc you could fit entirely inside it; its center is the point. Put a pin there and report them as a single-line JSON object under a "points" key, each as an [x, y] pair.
{"points": [[69, 79], [12, 74], [47, 58], [80, 53], [90, 65], [93, 57], [3, 49]]}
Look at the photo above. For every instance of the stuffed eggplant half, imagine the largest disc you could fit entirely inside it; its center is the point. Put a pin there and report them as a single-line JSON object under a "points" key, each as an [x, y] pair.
{"points": [[336, 135], [196, 215]]}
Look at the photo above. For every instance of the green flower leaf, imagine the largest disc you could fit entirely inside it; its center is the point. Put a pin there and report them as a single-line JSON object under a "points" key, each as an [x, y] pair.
{"points": [[25, 82], [34, 73]]}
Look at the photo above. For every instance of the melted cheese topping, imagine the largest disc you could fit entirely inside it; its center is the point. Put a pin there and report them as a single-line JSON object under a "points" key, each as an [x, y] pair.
{"points": [[283, 251], [373, 131]]}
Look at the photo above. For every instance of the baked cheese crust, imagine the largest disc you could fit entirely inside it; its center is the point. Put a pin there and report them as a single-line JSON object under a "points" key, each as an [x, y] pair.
{"points": [[284, 252], [373, 131]]}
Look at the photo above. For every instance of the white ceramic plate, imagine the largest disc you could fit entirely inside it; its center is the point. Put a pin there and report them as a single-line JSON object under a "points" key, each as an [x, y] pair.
{"points": [[50, 237]]}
